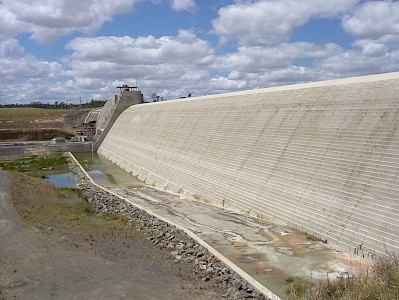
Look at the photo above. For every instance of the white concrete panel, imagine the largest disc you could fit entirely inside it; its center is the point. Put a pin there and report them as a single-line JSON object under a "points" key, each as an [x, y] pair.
{"points": [[322, 157], [105, 114]]}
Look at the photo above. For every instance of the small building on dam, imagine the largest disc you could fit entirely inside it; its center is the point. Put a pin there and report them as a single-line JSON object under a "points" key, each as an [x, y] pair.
{"points": [[322, 157]]}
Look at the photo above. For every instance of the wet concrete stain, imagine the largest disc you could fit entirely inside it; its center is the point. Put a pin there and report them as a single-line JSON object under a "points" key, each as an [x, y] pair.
{"points": [[269, 252]]}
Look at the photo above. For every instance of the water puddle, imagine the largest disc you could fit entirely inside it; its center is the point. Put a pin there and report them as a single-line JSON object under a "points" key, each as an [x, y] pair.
{"points": [[64, 180], [105, 172]]}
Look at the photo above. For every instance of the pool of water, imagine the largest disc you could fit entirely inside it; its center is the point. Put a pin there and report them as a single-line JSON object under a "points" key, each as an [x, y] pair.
{"points": [[64, 180], [105, 172]]}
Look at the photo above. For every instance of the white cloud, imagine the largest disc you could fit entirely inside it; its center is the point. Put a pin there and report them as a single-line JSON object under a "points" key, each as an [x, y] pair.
{"points": [[284, 76], [9, 25], [358, 62], [276, 77], [272, 21], [33, 90], [180, 5], [259, 60], [390, 39], [50, 90], [15, 63], [269, 66], [141, 56], [375, 24], [372, 48], [222, 84], [47, 20], [10, 47], [170, 64], [24, 77], [175, 66], [28, 67], [373, 19]]}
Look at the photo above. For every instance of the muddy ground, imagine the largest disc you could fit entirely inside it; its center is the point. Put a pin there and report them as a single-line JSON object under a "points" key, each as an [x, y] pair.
{"points": [[53, 247]]}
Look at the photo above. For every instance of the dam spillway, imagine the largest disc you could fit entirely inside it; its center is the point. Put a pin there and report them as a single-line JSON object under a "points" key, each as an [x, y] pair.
{"points": [[322, 157]]}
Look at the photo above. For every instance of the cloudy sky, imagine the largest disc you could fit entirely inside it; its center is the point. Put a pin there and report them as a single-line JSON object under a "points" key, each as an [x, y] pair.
{"points": [[60, 50]]}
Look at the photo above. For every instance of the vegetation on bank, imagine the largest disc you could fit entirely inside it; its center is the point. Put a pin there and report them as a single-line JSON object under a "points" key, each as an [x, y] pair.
{"points": [[66, 215], [32, 115], [57, 105], [42, 205], [35, 165], [380, 282]]}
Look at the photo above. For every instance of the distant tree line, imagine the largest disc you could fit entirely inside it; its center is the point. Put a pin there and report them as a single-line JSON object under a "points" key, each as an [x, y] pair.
{"points": [[57, 105], [157, 98]]}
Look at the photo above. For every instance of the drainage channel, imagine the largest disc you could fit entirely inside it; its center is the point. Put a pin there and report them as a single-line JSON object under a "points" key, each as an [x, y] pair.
{"points": [[261, 288], [263, 253]]}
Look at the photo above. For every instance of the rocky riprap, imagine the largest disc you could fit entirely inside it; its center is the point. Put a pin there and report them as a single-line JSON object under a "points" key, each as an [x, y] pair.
{"points": [[182, 247], [76, 119]]}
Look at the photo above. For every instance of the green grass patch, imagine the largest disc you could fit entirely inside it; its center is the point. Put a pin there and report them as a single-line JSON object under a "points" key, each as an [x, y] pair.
{"points": [[37, 166], [290, 279], [68, 192], [114, 218], [298, 287], [72, 207], [87, 211]]}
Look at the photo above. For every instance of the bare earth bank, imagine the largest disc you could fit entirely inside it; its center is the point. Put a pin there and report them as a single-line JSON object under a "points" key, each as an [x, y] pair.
{"points": [[52, 247]]}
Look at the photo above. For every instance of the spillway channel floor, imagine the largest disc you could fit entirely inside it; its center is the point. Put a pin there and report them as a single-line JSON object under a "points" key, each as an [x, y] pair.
{"points": [[267, 251]]}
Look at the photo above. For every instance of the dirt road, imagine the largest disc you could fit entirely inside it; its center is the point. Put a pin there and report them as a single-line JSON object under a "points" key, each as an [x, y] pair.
{"points": [[74, 257]]}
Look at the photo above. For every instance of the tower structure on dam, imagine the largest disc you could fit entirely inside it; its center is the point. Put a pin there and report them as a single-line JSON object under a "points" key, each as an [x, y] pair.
{"points": [[111, 110], [322, 157]]}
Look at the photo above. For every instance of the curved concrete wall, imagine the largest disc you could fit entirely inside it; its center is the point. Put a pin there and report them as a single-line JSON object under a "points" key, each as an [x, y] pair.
{"points": [[111, 111], [105, 114], [322, 157]]}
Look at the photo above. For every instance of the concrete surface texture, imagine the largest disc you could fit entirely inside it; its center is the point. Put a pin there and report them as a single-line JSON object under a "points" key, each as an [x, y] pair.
{"points": [[93, 115], [113, 107], [105, 113], [321, 157], [269, 253]]}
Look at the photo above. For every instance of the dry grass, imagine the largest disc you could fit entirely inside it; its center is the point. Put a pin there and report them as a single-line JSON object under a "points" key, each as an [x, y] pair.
{"points": [[63, 212], [32, 114], [64, 222], [380, 282], [41, 205], [36, 118]]}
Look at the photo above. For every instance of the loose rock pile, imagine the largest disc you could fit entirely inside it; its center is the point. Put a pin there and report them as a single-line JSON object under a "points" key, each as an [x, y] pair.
{"points": [[182, 247]]}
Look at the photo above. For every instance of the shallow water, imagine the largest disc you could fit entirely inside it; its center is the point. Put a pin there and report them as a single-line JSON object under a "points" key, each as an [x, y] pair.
{"points": [[105, 172], [64, 180]]}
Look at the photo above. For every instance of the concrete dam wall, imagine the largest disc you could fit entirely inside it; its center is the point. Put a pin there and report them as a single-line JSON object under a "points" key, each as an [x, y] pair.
{"points": [[110, 112], [322, 157]]}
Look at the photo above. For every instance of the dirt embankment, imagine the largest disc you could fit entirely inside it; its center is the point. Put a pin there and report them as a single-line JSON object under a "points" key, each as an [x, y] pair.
{"points": [[42, 134], [35, 124], [66, 252]]}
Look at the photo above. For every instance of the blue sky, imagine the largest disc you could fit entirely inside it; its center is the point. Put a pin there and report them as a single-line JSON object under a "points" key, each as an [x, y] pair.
{"points": [[61, 50]]}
